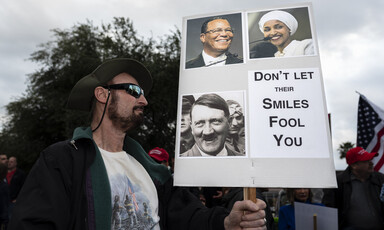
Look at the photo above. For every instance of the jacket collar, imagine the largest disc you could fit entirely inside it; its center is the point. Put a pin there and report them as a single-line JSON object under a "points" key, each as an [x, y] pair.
{"points": [[82, 132]]}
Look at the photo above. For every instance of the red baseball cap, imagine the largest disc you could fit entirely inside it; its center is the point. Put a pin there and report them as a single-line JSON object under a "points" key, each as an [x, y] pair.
{"points": [[359, 154], [159, 154]]}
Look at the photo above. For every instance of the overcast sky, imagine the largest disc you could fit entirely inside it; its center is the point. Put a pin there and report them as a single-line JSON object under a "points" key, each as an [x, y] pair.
{"points": [[349, 35]]}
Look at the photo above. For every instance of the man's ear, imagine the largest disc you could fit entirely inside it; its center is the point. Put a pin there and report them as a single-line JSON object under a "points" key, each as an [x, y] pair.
{"points": [[202, 37], [101, 94]]}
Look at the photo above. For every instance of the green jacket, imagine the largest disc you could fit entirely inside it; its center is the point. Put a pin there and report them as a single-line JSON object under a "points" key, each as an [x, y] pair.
{"points": [[101, 187]]}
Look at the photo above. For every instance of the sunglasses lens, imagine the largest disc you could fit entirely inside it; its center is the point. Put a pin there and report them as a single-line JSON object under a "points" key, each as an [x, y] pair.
{"points": [[131, 89], [134, 90]]}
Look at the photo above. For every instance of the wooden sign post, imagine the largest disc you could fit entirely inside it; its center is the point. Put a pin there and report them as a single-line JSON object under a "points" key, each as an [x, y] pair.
{"points": [[250, 194], [315, 221]]}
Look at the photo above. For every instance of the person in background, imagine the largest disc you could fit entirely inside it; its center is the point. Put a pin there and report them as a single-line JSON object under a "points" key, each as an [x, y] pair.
{"points": [[3, 159], [287, 212], [317, 195], [4, 197], [357, 196], [279, 27], [236, 135], [186, 137], [15, 179], [382, 193], [212, 196], [160, 156]]}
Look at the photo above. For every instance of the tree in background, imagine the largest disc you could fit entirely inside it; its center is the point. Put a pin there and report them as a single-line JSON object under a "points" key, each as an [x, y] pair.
{"points": [[39, 117], [344, 147]]}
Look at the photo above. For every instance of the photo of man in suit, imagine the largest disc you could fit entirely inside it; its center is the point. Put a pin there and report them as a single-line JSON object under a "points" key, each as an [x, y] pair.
{"points": [[216, 36]]}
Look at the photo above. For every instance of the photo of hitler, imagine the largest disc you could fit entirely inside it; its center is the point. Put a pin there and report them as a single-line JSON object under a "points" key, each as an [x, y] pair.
{"points": [[215, 128], [280, 33], [214, 41]]}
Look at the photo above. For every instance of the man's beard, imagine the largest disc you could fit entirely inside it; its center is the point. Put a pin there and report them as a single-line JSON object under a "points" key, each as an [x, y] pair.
{"points": [[125, 123]]}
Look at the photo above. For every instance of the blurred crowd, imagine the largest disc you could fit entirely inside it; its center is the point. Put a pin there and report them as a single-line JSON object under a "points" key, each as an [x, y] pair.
{"points": [[11, 182], [359, 198]]}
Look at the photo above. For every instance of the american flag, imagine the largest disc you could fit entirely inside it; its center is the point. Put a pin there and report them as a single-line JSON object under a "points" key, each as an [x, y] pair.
{"points": [[370, 130], [132, 194]]}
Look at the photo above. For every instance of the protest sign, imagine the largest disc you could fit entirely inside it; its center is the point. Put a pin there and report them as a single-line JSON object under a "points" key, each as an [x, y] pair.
{"points": [[250, 113]]}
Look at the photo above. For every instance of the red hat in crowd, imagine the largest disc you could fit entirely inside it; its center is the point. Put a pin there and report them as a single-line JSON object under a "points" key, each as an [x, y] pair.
{"points": [[159, 154], [359, 154]]}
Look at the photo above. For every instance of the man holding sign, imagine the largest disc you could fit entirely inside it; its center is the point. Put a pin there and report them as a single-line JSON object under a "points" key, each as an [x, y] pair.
{"points": [[84, 182]]}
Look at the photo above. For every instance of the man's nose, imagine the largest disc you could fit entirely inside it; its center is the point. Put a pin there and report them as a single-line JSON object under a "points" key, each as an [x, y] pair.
{"points": [[234, 122], [142, 100], [207, 129]]}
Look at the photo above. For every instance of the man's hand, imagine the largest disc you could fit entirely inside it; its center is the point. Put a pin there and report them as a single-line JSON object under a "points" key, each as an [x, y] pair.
{"points": [[246, 215]]}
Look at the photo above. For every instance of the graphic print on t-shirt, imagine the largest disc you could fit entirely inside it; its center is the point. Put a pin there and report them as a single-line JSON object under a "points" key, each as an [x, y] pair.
{"points": [[130, 207], [134, 199]]}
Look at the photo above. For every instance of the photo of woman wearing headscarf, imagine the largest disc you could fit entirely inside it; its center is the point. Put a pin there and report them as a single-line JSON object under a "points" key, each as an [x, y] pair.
{"points": [[280, 28]]}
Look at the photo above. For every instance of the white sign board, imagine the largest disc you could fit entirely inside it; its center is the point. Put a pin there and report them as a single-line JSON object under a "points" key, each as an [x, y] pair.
{"points": [[248, 114]]}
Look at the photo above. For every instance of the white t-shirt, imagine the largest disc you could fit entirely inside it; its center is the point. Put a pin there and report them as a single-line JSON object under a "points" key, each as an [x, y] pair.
{"points": [[134, 196]]}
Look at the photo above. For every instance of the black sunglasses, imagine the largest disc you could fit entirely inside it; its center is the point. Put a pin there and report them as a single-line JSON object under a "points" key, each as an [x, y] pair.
{"points": [[134, 90]]}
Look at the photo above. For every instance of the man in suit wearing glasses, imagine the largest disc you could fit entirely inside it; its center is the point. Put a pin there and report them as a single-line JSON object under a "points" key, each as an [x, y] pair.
{"points": [[216, 36]]}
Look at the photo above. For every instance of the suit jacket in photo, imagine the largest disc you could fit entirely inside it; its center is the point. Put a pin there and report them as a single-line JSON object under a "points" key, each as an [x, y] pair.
{"points": [[199, 61]]}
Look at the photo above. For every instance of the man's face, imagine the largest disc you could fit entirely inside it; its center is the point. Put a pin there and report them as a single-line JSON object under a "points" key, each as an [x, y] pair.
{"points": [[12, 163], [236, 119], [125, 111], [363, 167], [278, 32], [217, 38], [4, 159], [209, 128], [185, 122]]}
